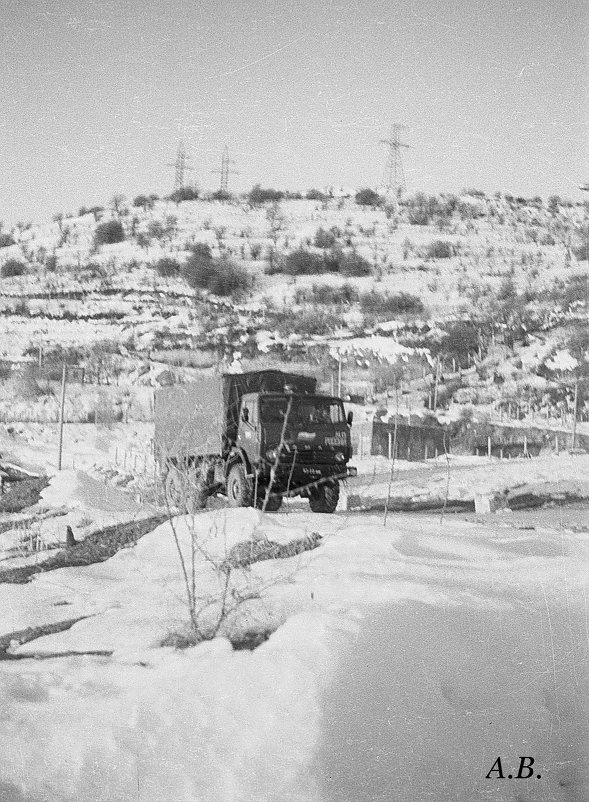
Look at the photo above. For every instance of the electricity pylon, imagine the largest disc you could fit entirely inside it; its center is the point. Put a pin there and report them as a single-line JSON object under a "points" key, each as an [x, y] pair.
{"points": [[180, 165], [394, 175], [225, 170]]}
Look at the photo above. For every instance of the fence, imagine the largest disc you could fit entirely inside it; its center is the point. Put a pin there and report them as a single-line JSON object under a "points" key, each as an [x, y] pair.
{"points": [[139, 463]]}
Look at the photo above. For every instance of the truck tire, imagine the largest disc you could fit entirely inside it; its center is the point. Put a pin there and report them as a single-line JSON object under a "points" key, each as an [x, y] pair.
{"points": [[273, 505], [185, 491], [324, 498], [239, 487]]}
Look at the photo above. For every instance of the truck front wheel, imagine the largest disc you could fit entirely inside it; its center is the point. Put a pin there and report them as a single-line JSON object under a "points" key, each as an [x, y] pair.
{"points": [[324, 498], [239, 487]]}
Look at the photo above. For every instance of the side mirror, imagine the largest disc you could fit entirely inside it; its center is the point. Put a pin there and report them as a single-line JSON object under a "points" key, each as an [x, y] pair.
{"points": [[245, 414], [350, 417]]}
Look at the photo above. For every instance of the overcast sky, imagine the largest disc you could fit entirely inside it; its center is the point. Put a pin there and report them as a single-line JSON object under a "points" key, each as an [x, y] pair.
{"points": [[96, 95]]}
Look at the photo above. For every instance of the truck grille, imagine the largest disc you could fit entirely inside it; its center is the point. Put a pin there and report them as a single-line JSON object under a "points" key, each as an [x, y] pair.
{"points": [[303, 456]]}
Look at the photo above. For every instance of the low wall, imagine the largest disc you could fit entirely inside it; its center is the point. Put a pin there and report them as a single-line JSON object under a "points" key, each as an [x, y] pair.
{"points": [[413, 442]]}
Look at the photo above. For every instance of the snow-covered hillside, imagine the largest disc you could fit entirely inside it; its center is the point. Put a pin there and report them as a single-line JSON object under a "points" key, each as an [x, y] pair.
{"points": [[430, 287]]}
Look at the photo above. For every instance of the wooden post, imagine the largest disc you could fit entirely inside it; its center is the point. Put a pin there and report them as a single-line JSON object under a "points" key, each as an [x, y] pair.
{"points": [[61, 414], [489, 446], [575, 406], [425, 450]]}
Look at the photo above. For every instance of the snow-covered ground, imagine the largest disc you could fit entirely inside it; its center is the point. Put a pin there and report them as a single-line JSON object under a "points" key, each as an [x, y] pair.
{"points": [[410, 655]]}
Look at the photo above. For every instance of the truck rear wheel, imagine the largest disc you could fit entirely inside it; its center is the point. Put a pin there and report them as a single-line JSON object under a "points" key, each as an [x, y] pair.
{"points": [[273, 504], [185, 490], [239, 487], [324, 498]]}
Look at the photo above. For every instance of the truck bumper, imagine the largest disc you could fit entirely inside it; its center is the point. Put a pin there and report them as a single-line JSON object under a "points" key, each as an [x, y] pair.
{"points": [[301, 481]]}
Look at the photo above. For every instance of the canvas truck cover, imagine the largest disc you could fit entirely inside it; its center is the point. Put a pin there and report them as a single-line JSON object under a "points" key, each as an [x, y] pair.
{"points": [[189, 419]]}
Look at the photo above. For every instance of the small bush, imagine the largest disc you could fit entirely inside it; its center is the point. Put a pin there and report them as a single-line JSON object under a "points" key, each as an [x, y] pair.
{"points": [[326, 295], [304, 263], [184, 194], [13, 267], [144, 201], [51, 263], [368, 197], [308, 322], [167, 267], [108, 233], [439, 249], [221, 195], [202, 250], [316, 195], [391, 305], [219, 276], [418, 217], [6, 240], [156, 230], [572, 290], [257, 195], [352, 264], [230, 279], [324, 239]]}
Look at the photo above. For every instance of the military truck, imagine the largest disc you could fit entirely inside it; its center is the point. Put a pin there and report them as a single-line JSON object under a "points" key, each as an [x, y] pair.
{"points": [[256, 437]]}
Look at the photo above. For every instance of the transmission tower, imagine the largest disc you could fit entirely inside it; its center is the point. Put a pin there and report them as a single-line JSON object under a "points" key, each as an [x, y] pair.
{"points": [[394, 175], [225, 170], [180, 165]]}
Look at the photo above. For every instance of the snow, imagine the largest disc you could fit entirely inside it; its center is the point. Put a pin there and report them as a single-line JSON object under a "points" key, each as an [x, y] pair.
{"points": [[383, 347], [211, 723], [562, 360]]}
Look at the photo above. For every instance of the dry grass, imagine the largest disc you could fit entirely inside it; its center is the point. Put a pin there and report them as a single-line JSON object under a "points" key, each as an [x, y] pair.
{"points": [[96, 548]]}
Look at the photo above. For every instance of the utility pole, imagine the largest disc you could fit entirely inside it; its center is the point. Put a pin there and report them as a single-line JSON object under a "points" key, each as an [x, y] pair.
{"points": [[180, 166], [394, 174], [225, 171], [61, 413]]}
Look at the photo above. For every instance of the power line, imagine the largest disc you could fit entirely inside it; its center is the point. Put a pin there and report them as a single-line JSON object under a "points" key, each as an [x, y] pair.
{"points": [[394, 174]]}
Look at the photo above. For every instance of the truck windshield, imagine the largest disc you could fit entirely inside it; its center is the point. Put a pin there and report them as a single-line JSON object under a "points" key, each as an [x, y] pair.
{"points": [[303, 412]]}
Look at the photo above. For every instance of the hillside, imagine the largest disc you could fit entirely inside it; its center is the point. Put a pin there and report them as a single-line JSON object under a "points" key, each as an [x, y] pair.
{"points": [[435, 286]]}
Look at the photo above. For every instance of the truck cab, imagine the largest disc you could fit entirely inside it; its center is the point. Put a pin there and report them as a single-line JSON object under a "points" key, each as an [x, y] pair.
{"points": [[292, 444]]}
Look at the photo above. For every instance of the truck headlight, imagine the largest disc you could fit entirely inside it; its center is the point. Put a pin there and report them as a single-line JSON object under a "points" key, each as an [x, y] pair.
{"points": [[339, 457]]}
